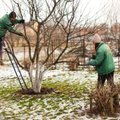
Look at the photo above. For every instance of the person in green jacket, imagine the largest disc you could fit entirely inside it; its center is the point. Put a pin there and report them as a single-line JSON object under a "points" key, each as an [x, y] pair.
{"points": [[103, 62], [6, 24]]}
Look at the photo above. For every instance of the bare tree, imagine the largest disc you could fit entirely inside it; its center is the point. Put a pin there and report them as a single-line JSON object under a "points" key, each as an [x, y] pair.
{"points": [[55, 25]]}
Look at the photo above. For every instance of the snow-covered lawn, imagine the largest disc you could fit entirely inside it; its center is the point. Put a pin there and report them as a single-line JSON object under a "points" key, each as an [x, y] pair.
{"points": [[49, 106]]}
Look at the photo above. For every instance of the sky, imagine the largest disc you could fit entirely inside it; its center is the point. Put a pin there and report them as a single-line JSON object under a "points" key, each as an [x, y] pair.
{"points": [[106, 10], [103, 9]]}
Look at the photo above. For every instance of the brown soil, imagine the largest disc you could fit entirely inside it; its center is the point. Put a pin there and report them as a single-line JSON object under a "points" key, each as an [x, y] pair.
{"points": [[31, 92]]}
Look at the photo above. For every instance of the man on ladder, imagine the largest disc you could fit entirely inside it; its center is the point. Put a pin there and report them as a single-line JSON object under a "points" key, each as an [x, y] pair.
{"points": [[6, 24]]}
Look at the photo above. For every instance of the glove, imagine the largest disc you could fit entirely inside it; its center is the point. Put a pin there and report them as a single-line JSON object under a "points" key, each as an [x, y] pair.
{"points": [[22, 21]]}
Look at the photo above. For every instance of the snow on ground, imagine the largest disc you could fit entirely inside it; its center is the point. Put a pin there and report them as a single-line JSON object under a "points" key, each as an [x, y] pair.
{"points": [[6, 78], [7, 72]]}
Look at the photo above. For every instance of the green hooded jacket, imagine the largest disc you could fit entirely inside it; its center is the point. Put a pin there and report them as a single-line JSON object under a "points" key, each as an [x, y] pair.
{"points": [[103, 60], [5, 24]]}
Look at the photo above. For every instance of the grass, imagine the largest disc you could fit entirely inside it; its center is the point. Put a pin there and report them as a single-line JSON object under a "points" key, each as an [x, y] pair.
{"points": [[68, 100], [64, 100], [67, 89]]}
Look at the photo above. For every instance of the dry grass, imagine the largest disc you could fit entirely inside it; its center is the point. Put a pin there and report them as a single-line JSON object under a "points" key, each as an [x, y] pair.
{"points": [[105, 100]]}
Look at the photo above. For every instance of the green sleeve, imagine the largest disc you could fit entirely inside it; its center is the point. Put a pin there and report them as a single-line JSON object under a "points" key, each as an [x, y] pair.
{"points": [[98, 60], [11, 29]]}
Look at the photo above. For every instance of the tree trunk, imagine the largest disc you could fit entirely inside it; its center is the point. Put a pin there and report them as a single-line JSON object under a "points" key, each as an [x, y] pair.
{"points": [[38, 79]]}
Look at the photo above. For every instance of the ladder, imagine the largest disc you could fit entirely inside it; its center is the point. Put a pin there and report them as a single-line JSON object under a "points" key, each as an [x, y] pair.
{"points": [[16, 67]]}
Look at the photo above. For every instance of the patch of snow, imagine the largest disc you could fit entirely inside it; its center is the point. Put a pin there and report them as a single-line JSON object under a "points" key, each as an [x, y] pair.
{"points": [[7, 73]]}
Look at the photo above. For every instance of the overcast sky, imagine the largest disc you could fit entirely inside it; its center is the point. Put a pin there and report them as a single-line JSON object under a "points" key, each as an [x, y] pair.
{"points": [[101, 8]]}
